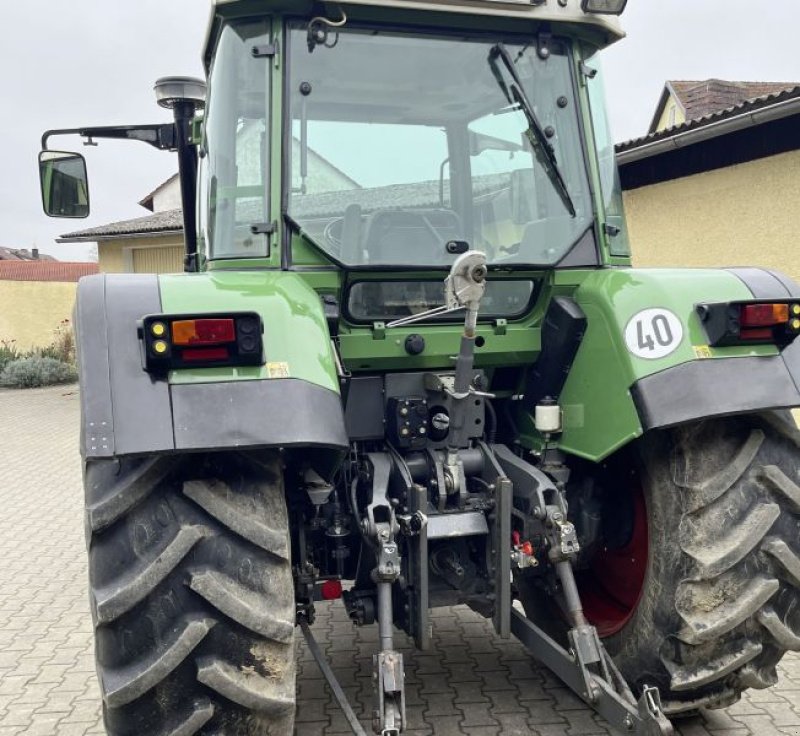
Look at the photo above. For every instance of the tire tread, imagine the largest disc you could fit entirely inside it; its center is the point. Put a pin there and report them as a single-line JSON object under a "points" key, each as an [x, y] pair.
{"points": [[248, 689], [731, 548], [215, 497], [241, 604], [114, 599], [696, 676], [193, 598], [706, 492], [124, 685]]}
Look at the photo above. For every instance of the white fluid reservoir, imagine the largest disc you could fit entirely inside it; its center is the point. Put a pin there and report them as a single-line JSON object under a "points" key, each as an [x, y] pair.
{"points": [[548, 418]]}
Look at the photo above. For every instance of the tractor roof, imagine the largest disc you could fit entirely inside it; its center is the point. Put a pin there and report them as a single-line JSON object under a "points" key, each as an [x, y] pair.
{"points": [[602, 30]]}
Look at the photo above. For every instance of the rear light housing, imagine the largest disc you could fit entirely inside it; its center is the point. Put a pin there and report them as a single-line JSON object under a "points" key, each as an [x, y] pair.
{"points": [[201, 341], [774, 322]]}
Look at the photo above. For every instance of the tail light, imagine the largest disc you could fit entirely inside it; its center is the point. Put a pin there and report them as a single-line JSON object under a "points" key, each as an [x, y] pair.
{"points": [[754, 322], [207, 341], [198, 332]]}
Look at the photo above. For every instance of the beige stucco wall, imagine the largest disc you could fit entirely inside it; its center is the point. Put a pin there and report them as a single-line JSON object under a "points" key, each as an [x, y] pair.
{"points": [[168, 197], [664, 121], [31, 311], [744, 215], [112, 257]]}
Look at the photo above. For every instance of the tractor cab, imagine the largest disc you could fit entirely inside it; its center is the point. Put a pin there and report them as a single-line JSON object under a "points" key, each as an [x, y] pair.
{"points": [[396, 141]]}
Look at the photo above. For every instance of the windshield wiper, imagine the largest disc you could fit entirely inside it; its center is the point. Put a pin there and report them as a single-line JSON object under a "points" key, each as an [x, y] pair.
{"points": [[542, 148]]}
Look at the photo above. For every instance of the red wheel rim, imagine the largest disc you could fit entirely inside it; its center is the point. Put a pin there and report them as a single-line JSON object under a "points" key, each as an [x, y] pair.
{"points": [[612, 588]]}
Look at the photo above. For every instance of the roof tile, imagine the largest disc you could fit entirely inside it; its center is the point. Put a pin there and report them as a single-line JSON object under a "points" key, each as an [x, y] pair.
{"points": [[709, 96], [22, 254], [742, 108], [167, 221], [45, 271]]}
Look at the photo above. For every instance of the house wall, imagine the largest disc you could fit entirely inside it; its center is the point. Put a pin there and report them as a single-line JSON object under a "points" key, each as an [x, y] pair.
{"points": [[126, 254], [742, 215], [31, 311], [322, 175], [672, 115], [168, 197]]}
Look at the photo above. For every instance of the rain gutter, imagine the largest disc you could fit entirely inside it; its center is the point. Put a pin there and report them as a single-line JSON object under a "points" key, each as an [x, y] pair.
{"points": [[779, 110]]}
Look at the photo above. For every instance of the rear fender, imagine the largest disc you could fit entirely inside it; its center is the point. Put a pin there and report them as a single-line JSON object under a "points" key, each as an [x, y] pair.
{"points": [[292, 401], [615, 391]]}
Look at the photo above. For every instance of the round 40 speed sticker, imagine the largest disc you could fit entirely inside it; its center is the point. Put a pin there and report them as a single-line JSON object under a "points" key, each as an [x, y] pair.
{"points": [[653, 333]]}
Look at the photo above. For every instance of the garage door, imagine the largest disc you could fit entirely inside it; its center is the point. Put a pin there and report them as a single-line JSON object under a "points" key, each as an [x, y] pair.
{"points": [[158, 260]]}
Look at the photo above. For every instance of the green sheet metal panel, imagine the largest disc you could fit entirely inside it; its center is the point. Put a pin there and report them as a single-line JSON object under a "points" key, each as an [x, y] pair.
{"points": [[296, 338], [599, 414]]}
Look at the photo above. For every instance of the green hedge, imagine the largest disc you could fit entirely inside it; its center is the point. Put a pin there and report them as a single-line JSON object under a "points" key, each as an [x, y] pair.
{"points": [[45, 366], [36, 371]]}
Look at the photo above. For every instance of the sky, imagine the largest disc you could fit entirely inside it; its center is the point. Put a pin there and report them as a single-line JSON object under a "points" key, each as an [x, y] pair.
{"points": [[94, 62]]}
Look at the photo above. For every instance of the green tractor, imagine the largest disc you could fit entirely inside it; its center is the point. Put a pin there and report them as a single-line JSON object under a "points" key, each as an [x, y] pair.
{"points": [[410, 366]]}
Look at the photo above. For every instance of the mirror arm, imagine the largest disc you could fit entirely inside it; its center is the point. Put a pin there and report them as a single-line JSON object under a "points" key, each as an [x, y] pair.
{"points": [[160, 135], [166, 137]]}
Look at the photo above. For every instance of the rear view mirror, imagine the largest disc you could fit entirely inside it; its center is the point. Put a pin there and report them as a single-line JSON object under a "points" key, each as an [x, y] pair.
{"points": [[65, 186]]}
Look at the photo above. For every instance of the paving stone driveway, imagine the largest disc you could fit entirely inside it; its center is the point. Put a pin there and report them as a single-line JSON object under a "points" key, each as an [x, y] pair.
{"points": [[472, 684]]}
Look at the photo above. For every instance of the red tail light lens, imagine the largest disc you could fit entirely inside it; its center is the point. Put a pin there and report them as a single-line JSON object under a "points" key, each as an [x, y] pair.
{"points": [[203, 331], [756, 334], [763, 315], [200, 355]]}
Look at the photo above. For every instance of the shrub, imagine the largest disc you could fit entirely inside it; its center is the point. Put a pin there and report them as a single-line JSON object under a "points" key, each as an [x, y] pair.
{"points": [[8, 352], [63, 346], [36, 371]]}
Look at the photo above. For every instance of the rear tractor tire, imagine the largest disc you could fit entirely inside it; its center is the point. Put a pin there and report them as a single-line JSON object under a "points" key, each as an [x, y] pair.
{"points": [[717, 602], [192, 595]]}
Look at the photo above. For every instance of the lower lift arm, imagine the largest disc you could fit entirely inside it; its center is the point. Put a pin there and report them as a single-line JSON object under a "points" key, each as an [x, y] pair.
{"points": [[587, 668]]}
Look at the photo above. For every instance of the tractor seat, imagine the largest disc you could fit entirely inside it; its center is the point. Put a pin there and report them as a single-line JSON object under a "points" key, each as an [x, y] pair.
{"points": [[398, 237]]}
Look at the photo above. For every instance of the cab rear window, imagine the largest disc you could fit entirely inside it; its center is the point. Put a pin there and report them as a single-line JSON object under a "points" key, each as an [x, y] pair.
{"points": [[381, 301]]}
